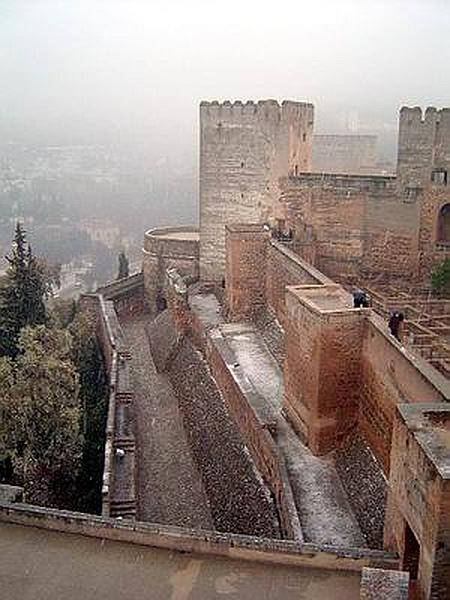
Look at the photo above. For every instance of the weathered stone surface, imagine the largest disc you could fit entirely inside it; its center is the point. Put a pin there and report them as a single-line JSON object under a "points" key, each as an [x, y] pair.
{"points": [[378, 584], [239, 500], [246, 251], [324, 338], [166, 248], [244, 150], [365, 485], [419, 496], [352, 153]]}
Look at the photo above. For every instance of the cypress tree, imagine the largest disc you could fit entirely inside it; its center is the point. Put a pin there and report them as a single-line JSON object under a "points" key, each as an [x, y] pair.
{"points": [[22, 296], [123, 266]]}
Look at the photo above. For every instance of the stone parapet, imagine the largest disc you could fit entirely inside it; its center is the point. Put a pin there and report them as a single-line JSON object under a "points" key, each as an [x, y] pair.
{"points": [[246, 548], [118, 484], [324, 339]]}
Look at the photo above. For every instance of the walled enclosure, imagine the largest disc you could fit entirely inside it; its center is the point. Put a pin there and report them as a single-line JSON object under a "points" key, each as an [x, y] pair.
{"points": [[378, 226], [244, 150]]}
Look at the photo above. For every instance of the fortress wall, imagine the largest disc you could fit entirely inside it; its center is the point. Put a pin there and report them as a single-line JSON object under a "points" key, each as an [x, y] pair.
{"points": [[419, 494], [165, 248], [246, 247], [256, 433], [118, 487], [127, 294], [390, 231], [423, 145], [284, 267], [390, 377], [354, 223], [322, 373], [431, 252], [354, 154], [244, 150]]}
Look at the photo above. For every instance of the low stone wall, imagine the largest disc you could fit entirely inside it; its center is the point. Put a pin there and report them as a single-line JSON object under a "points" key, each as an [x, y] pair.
{"points": [[245, 548], [285, 267], [256, 433], [127, 295], [118, 487]]}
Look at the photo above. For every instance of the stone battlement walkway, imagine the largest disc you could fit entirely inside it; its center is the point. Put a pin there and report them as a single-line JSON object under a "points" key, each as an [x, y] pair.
{"points": [[324, 511], [169, 488]]}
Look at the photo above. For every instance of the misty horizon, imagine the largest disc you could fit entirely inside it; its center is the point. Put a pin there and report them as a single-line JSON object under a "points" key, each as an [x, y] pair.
{"points": [[134, 72]]}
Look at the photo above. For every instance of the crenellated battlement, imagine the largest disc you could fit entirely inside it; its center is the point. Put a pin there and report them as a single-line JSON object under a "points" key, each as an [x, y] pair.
{"points": [[416, 115], [261, 110]]}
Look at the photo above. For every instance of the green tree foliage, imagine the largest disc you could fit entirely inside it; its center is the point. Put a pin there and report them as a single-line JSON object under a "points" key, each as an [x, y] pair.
{"points": [[440, 278], [53, 390], [40, 414], [123, 266], [22, 295], [93, 401]]}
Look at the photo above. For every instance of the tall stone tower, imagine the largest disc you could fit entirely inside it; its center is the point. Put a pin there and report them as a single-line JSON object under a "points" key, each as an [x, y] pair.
{"points": [[244, 150], [423, 147]]}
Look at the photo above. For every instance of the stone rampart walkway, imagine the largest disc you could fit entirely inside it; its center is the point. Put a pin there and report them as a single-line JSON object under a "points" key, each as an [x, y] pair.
{"points": [[325, 514], [169, 488]]}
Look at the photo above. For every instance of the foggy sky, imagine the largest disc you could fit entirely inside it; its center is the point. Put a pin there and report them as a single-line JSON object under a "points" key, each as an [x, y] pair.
{"points": [[136, 70]]}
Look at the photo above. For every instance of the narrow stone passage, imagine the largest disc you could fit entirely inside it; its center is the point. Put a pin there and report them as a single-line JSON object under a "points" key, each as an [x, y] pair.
{"points": [[169, 488]]}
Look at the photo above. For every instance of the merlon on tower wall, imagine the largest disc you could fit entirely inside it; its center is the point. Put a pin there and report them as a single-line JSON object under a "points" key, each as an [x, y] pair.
{"points": [[244, 150]]}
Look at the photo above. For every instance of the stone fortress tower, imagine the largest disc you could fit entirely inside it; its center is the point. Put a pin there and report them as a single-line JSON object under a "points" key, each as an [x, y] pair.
{"points": [[423, 147], [423, 179], [244, 150]]}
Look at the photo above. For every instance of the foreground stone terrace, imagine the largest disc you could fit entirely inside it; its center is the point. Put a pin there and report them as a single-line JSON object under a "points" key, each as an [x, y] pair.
{"points": [[49, 565]]}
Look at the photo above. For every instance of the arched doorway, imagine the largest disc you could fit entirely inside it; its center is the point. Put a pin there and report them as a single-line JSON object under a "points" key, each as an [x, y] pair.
{"points": [[443, 225]]}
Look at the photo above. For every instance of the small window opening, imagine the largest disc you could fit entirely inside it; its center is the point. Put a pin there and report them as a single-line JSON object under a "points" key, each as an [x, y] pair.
{"points": [[411, 194], [304, 137], [242, 165], [443, 231], [439, 176], [296, 170]]}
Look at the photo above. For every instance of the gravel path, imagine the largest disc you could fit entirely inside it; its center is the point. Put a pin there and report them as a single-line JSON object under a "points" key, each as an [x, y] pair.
{"points": [[169, 488]]}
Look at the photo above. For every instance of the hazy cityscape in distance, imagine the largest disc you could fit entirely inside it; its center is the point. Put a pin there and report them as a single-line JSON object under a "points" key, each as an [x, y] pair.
{"points": [[99, 103]]}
